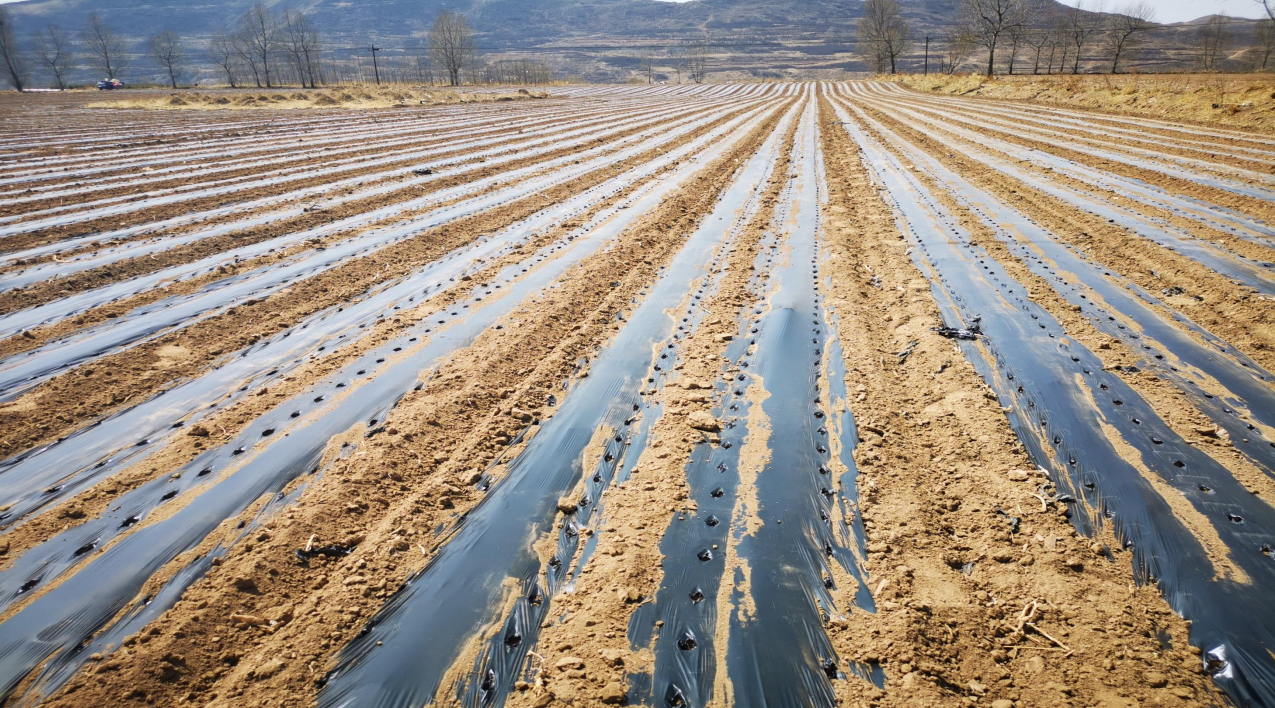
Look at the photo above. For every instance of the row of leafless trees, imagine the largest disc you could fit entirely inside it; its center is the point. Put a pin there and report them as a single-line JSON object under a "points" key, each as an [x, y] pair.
{"points": [[1214, 39], [267, 50], [526, 72], [688, 60], [1051, 39], [55, 52], [264, 49], [451, 45]]}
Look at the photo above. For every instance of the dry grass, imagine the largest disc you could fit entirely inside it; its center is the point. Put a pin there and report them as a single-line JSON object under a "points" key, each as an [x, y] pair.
{"points": [[338, 97], [1245, 100]]}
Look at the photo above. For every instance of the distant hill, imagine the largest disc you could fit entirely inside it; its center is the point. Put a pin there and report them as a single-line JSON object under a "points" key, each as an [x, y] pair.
{"points": [[593, 39], [513, 22]]}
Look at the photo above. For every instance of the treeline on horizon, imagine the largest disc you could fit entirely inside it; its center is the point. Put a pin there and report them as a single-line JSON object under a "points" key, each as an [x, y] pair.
{"points": [[1037, 36], [261, 49]]}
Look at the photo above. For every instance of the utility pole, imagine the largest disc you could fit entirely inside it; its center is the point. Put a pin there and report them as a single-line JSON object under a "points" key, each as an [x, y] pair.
{"points": [[376, 70], [927, 55]]}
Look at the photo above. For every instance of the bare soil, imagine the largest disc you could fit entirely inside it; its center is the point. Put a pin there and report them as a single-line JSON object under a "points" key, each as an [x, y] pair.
{"points": [[985, 593], [1246, 100]]}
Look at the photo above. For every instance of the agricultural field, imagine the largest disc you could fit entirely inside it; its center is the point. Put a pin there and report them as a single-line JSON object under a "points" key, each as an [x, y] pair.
{"points": [[1245, 101], [785, 394]]}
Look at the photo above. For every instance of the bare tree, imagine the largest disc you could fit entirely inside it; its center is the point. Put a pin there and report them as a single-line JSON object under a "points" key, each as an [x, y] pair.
{"points": [[1265, 42], [53, 49], [883, 33], [1037, 33], [1124, 26], [451, 44], [499, 71], [1037, 40], [1081, 24], [534, 72], [15, 65], [258, 38], [697, 62], [424, 68], [167, 52], [988, 21], [646, 63], [313, 54], [1213, 38], [224, 57], [1017, 37], [1266, 32], [301, 41], [958, 45], [245, 56], [291, 39], [1058, 43], [106, 47]]}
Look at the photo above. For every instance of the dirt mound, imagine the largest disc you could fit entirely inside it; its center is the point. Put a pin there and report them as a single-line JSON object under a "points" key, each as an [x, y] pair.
{"points": [[359, 97]]}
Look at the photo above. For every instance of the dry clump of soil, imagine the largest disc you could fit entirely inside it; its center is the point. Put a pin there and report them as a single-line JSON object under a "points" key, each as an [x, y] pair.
{"points": [[357, 96], [262, 626], [1041, 618], [1244, 101]]}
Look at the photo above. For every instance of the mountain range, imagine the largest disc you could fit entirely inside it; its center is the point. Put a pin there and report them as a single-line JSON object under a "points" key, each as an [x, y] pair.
{"points": [[593, 39]]}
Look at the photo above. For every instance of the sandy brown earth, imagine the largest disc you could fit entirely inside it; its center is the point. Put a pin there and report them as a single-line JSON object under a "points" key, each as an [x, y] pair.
{"points": [[37, 417], [1246, 100], [987, 585], [357, 97], [1227, 306], [945, 459], [249, 192], [299, 155], [459, 424], [938, 631]]}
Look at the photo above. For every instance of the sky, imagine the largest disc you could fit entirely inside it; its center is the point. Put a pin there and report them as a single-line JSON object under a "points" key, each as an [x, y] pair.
{"points": [[1183, 10]]}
